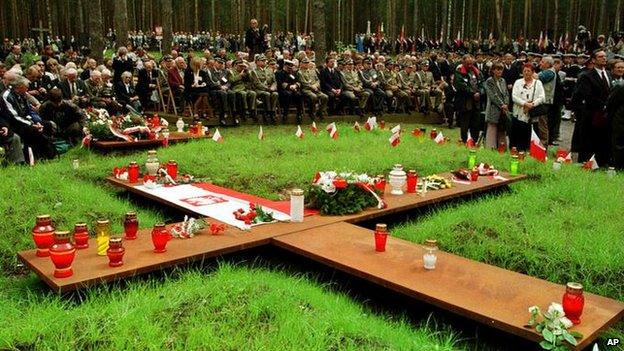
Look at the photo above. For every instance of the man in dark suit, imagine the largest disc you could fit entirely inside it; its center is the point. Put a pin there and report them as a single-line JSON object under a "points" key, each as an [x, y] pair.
{"points": [[74, 89], [592, 133], [126, 95], [289, 90], [434, 67], [333, 85], [147, 81], [254, 39]]}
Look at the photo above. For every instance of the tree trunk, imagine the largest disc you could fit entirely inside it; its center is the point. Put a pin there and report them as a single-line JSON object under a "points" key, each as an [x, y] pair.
{"points": [[271, 16], [121, 22], [167, 13], [526, 18], [96, 30], [556, 20], [602, 20], [445, 10], [416, 17], [618, 17], [307, 13], [212, 15], [498, 8], [318, 26]]}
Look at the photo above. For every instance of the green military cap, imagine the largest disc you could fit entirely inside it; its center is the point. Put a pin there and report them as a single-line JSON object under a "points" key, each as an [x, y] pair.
{"points": [[340, 61], [569, 55], [348, 62], [272, 62], [260, 57], [389, 62], [367, 60], [289, 63], [618, 56], [424, 63], [219, 60], [556, 56], [585, 56]]}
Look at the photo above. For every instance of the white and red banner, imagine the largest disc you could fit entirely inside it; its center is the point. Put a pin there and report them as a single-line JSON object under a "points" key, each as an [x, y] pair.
{"points": [[216, 205]]}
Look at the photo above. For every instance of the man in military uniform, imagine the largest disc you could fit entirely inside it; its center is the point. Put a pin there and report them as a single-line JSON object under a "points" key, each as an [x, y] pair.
{"points": [[430, 93], [370, 83], [263, 83], [311, 88], [219, 86], [15, 57], [353, 85], [241, 85], [390, 79], [410, 84], [571, 71], [289, 90]]}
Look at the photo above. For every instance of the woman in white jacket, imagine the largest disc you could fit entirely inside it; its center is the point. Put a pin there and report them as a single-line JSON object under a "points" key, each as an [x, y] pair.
{"points": [[527, 93]]}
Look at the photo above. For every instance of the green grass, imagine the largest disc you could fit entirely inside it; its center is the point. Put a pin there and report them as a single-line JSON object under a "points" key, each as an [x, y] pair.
{"points": [[557, 226]]}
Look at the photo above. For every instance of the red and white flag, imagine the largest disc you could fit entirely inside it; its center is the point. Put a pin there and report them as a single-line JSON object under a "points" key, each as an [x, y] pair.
{"points": [[395, 139], [333, 130], [396, 129], [371, 123], [261, 134], [299, 133], [536, 149], [217, 136], [313, 128], [568, 158], [439, 139], [356, 126], [591, 164], [470, 143]]}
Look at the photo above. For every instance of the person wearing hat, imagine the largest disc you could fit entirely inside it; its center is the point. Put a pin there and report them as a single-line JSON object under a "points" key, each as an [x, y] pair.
{"points": [[354, 88], [242, 86], [411, 83], [311, 88], [430, 93], [220, 90], [396, 99], [263, 83], [370, 81], [289, 89]]}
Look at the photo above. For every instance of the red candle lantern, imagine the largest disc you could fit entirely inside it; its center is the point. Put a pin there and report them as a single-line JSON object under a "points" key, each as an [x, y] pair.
{"points": [[133, 172], [474, 175], [381, 236], [382, 124], [433, 134], [81, 236], [131, 226], [514, 151], [160, 237], [573, 302], [172, 169], [115, 252], [412, 180], [502, 148], [43, 235], [380, 183], [62, 254]]}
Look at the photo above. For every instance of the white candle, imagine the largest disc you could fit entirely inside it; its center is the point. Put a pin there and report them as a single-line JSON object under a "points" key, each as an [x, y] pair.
{"points": [[296, 205], [429, 260]]}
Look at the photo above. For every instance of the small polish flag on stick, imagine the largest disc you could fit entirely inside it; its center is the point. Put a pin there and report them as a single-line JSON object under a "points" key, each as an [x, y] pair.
{"points": [[396, 129], [395, 139], [470, 143], [439, 139], [333, 130], [536, 149], [217, 136], [313, 128], [299, 133], [591, 164], [371, 123], [31, 156], [261, 134], [356, 126]]}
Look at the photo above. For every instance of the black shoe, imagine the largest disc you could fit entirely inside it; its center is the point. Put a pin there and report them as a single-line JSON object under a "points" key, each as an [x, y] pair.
{"points": [[254, 116]]}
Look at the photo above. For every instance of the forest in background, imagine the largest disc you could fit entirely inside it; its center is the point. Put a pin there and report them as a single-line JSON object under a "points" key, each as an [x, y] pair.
{"points": [[343, 18]]}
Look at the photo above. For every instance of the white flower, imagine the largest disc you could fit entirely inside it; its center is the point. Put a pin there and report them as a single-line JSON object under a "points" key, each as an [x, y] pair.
{"points": [[327, 185], [556, 310], [364, 178], [566, 322], [164, 123], [534, 310]]}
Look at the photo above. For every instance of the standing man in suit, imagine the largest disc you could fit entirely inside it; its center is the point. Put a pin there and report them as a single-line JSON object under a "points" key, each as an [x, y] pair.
{"points": [[254, 38], [146, 84], [592, 133]]}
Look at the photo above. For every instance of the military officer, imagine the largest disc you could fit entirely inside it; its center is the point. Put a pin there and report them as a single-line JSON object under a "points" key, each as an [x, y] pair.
{"points": [[241, 85], [370, 82], [353, 85], [430, 93], [289, 90], [311, 88], [263, 83], [410, 84], [220, 90], [393, 90]]}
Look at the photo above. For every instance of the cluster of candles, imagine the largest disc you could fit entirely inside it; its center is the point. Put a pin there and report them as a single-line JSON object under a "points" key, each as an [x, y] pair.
{"points": [[151, 167], [61, 246], [516, 157], [573, 300]]}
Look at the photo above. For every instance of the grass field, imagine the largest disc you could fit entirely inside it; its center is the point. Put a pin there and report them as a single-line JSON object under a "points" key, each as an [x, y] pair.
{"points": [[562, 226]]}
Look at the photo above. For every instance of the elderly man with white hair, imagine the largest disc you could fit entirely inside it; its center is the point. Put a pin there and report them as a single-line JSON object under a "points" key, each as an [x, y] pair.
{"points": [[74, 88], [548, 77], [126, 93], [22, 119]]}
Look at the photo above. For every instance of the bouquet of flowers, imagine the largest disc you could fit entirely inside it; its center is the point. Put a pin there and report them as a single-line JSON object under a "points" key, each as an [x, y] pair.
{"points": [[553, 327], [130, 127], [342, 193]]}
